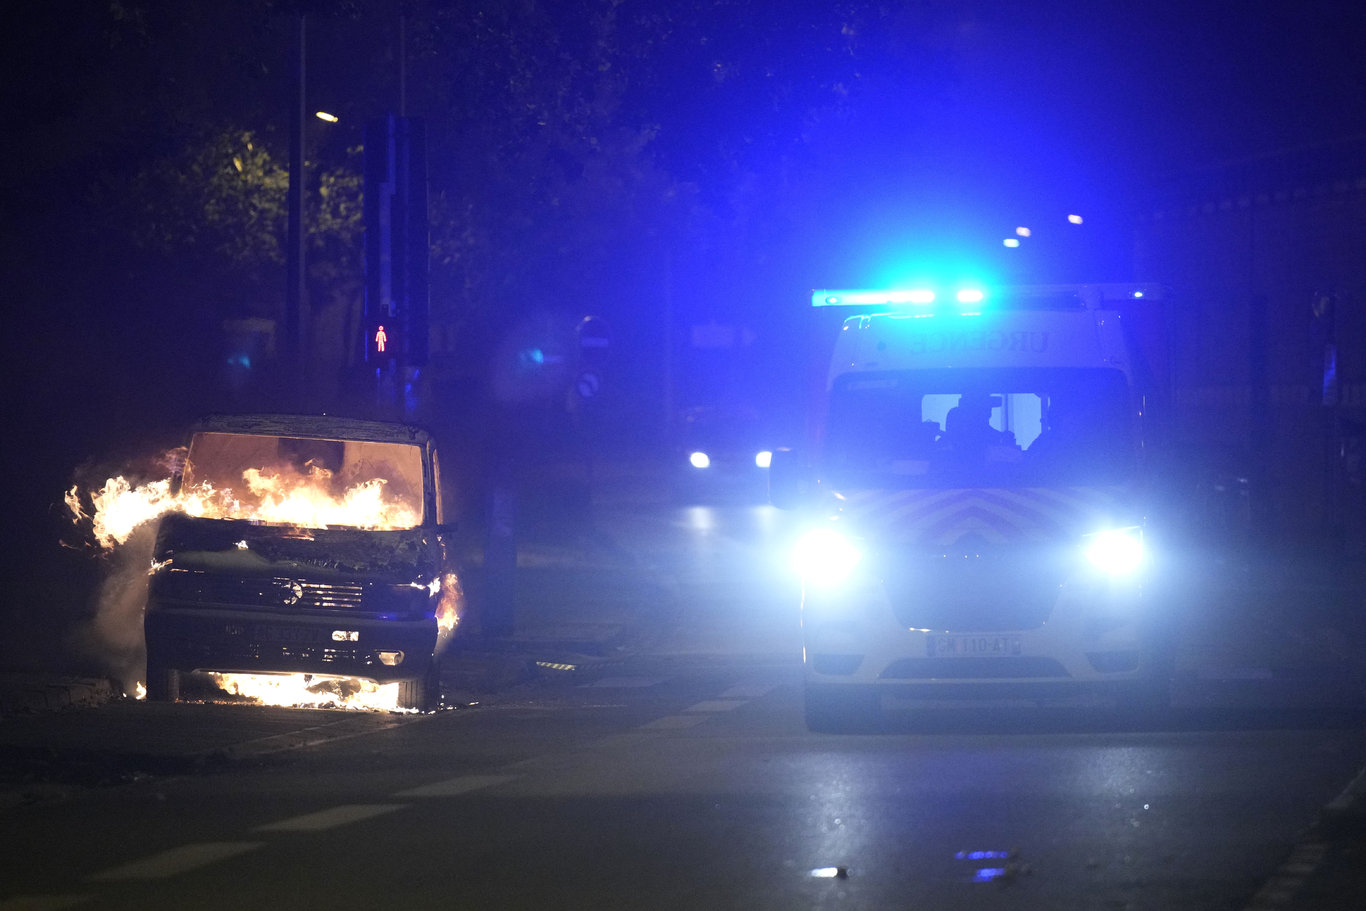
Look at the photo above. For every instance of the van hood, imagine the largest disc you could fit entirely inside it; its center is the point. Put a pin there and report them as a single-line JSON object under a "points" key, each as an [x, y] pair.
{"points": [[231, 545]]}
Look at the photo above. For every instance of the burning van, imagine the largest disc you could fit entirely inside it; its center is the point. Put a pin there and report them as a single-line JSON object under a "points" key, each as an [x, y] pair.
{"points": [[304, 545]]}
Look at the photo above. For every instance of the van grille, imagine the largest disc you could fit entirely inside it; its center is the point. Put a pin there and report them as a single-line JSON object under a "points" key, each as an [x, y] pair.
{"points": [[272, 593]]}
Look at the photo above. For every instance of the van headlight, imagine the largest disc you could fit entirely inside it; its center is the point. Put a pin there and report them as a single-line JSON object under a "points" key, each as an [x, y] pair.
{"points": [[1117, 551], [825, 557]]}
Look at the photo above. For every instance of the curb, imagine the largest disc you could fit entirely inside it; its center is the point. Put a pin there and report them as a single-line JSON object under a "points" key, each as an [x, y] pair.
{"points": [[1313, 863]]}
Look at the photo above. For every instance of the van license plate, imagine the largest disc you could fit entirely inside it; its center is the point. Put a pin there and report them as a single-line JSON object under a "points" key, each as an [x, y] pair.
{"points": [[974, 646], [293, 635]]}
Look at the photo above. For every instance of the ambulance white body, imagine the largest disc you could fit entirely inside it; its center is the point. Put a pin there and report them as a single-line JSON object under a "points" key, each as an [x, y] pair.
{"points": [[976, 487]]}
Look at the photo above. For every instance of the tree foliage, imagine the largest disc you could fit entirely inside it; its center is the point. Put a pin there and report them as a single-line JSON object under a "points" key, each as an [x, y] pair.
{"points": [[576, 147]]}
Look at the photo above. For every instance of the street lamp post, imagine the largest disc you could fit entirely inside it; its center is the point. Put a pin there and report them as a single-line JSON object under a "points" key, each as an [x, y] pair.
{"points": [[295, 262]]}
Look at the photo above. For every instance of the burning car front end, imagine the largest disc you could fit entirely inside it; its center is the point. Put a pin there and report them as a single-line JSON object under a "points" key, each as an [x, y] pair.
{"points": [[340, 590]]}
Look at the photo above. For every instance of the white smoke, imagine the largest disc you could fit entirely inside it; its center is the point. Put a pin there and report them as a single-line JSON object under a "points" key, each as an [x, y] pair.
{"points": [[112, 639]]}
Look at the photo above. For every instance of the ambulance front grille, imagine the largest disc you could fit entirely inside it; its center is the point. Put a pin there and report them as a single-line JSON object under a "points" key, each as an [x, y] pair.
{"points": [[974, 589]]}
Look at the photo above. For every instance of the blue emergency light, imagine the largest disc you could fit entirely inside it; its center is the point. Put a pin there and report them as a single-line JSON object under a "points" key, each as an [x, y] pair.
{"points": [[891, 297]]}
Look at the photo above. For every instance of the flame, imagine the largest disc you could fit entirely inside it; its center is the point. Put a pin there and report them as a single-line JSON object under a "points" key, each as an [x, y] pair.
{"points": [[311, 690], [270, 496], [449, 605], [119, 508]]}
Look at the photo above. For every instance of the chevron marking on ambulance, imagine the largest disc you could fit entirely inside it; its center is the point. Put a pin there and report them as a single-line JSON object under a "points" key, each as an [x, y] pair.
{"points": [[995, 514]]}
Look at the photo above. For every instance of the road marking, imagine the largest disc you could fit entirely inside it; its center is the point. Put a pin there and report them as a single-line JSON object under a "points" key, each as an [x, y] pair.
{"points": [[673, 722], [1285, 884], [345, 729], [177, 860], [619, 742], [323, 820], [1235, 673], [626, 682], [748, 691], [716, 705], [1352, 797], [456, 786], [43, 902]]}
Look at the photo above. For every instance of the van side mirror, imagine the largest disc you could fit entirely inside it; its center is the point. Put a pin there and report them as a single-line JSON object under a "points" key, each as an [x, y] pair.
{"points": [[789, 479]]}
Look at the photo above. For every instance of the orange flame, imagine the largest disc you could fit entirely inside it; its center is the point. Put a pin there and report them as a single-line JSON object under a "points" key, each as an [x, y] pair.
{"points": [[308, 690], [449, 606], [272, 497]]}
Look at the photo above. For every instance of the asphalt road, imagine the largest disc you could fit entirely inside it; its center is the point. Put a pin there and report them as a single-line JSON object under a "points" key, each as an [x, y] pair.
{"points": [[666, 783], [670, 769]]}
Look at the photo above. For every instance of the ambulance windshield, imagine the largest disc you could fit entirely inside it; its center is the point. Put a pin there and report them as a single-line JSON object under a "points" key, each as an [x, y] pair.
{"points": [[970, 427]]}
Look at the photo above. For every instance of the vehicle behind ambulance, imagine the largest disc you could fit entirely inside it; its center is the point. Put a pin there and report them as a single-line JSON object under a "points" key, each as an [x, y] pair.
{"points": [[975, 503]]}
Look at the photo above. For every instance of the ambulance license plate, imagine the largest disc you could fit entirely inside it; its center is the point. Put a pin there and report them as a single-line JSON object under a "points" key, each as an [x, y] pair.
{"points": [[974, 646]]}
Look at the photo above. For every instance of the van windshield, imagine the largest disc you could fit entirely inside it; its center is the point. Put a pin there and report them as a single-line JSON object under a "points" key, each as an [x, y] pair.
{"points": [[302, 482], [1024, 427]]}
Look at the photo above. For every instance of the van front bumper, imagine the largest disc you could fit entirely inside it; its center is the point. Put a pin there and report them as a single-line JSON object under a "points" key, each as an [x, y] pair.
{"points": [[250, 641]]}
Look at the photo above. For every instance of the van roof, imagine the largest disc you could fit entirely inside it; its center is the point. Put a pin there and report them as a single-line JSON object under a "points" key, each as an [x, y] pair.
{"points": [[314, 426]]}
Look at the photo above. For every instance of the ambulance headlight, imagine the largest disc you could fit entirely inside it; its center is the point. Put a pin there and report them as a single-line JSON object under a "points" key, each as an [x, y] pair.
{"points": [[1117, 551], [825, 557]]}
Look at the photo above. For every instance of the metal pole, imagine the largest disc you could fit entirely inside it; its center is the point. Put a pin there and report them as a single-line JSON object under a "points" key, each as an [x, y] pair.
{"points": [[294, 288], [403, 66]]}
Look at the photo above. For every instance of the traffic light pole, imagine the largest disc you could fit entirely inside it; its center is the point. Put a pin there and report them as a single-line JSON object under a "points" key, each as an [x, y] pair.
{"points": [[396, 239]]}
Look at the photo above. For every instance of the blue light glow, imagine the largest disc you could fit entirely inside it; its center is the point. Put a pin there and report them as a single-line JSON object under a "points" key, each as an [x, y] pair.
{"points": [[982, 855], [872, 298], [970, 295]]}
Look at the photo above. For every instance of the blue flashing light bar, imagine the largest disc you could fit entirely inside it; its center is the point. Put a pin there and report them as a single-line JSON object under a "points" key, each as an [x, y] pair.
{"points": [[890, 298], [872, 298], [972, 300]]}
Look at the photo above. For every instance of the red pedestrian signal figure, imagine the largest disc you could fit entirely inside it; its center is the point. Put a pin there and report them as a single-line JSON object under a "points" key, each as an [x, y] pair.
{"points": [[380, 340]]}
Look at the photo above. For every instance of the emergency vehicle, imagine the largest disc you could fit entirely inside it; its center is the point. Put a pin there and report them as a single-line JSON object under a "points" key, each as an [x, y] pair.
{"points": [[974, 496]]}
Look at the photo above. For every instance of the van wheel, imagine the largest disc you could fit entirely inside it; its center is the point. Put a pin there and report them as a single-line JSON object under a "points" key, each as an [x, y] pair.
{"points": [[163, 683], [423, 693], [843, 709]]}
